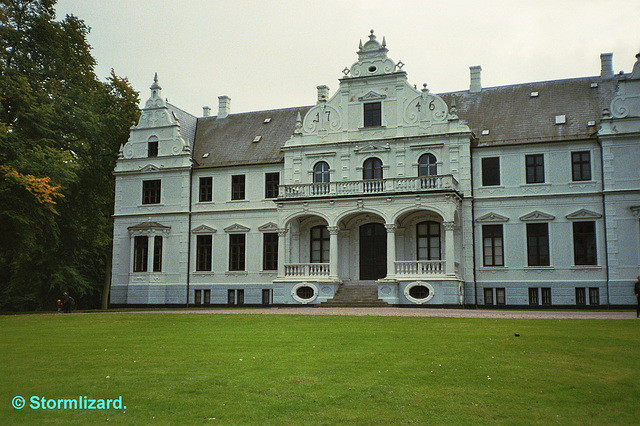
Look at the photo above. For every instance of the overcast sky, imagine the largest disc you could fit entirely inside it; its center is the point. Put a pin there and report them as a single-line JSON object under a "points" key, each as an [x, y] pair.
{"points": [[273, 54]]}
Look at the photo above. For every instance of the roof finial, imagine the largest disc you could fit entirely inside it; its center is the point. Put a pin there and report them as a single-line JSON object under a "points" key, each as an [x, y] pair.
{"points": [[384, 41], [155, 84], [360, 45], [372, 36]]}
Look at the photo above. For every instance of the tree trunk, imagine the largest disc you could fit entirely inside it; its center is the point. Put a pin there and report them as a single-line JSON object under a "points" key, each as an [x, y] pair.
{"points": [[107, 284]]}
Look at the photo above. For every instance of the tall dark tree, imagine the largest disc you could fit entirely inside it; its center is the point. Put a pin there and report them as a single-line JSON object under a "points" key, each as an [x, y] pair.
{"points": [[60, 129]]}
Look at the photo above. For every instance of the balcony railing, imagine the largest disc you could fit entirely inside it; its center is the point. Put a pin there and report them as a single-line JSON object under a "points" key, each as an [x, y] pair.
{"points": [[306, 270], [420, 267], [374, 186]]}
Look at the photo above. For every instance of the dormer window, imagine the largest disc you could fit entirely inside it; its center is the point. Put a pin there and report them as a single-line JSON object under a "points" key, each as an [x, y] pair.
{"points": [[373, 114], [152, 149]]}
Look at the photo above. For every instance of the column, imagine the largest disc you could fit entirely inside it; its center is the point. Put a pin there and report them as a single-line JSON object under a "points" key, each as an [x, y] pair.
{"points": [[449, 254], [391, 249], [333, 251], [282, 251]]}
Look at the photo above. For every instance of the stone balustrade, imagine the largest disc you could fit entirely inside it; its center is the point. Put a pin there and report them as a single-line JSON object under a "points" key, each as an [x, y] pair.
{"points": [[373, 186]]}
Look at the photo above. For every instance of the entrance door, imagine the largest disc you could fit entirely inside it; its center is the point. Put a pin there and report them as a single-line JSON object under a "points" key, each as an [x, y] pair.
{"points": [[373, 251]]}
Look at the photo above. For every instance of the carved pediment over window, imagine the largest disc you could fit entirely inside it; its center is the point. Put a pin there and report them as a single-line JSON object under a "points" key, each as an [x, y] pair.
{"points": [[368, 149], [372, 96], [492, 218], [236, 227], [537, 215], [204, 229], [584, 214], [150, 168], [268, 227], [148, 228]]}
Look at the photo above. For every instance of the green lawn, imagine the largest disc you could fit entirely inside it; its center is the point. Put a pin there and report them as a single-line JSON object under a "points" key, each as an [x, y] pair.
{"points": [[282, 369]]}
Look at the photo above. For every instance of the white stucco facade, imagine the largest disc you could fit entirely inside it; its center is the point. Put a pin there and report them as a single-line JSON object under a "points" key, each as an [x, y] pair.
{"points": [[499, 196]]}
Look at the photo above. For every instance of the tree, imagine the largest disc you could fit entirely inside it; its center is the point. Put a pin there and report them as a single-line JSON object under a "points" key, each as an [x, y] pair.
{"points": [[60, 130]]}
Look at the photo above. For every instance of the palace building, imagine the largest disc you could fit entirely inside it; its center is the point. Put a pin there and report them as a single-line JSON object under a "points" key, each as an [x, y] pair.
{"points": [[386, 194]]}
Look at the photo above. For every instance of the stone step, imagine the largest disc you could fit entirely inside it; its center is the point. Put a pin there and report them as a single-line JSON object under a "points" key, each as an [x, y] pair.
{"points": [[356, 294]]}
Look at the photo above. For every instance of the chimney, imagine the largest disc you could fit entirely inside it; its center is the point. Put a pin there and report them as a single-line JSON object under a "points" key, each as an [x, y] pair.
{"points": [[323, 93], [475, 86], [224, 106], [206, 111], [606, 66]]}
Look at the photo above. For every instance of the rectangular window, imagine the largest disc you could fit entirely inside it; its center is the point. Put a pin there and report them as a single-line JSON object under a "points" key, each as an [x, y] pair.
{"points": [[152, 149], [140, 253], [538, 244], [271, 182], [270, 252], [204, 250], [492, 245], [500, 296], [236, 252], [546, 295], [231, 297], [198, 297], [581, 165], [157, 254], [488, 296], [581, 296], [584, 243], [266, 296], [240, 300], [533, 296], [206, 189], [535, 168], [207, 297], [237, 187], [594, 296], [373, 114], [491, 171], [151, 191]]}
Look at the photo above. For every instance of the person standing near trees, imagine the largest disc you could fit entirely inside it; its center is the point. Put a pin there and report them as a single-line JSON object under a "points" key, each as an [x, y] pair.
{"points": [[637, 291]]}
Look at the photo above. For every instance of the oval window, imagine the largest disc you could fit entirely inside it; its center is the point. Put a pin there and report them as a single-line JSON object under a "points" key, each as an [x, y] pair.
{"points": [[305, 292], [372, 68], [419, 292]]}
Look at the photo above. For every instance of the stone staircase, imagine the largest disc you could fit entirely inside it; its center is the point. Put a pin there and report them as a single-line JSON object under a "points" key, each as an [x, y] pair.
{"points": [[355, 294]]}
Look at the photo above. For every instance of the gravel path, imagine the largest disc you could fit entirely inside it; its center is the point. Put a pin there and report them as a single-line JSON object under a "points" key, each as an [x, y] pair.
{"points": [[414, 312]]}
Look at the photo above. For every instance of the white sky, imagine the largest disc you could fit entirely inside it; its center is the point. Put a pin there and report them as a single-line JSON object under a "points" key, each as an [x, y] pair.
{"points": [[273, 54]]}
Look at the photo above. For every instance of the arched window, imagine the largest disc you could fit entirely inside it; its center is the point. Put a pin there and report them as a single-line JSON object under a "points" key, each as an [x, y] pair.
{"points": [[427, 165], [321, 172], [319, 244], [372, 169], [428, 239]]}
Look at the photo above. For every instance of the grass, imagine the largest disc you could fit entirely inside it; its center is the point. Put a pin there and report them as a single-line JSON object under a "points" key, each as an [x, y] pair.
{"points": [[286, 369]]}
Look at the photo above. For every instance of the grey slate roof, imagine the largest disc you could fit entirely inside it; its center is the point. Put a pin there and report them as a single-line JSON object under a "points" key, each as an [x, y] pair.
{"points": [[229, 141], [513, 116], [509, 113]]}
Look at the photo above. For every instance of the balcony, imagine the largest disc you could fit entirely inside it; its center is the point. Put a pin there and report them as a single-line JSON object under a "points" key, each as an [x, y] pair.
{"points": [[403, 268], [369, 187], [306, 270]]}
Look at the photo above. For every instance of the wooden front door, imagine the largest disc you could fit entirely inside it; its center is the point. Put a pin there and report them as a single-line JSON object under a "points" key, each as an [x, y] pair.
{"points": [[373, 251]]}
